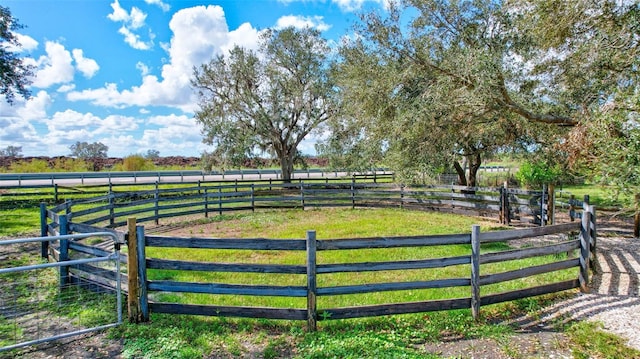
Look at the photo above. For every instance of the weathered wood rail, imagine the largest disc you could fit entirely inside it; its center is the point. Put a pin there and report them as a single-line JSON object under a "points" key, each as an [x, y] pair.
{"points": [[55, 193], [572, 252], [112, 209]]}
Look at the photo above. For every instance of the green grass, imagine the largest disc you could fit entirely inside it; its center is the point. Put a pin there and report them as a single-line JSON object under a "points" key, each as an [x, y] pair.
{"points": [[598, 195], [340, 223], [402, 336], [590, 341], [22, 221]]}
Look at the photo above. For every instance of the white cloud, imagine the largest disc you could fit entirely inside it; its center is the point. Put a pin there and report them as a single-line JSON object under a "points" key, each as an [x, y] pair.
{"points": [[244, 36], [165, 7], [36, 107], [88, 67], [133, 39], [199, 33], [66, 88], [133, 20], [66, 127], [301, 22], [71, 120], [144, 69], [53, 68], [27, 43], [171, 120], [119, 14], [16, 131], [137, 18], [117, 124]]}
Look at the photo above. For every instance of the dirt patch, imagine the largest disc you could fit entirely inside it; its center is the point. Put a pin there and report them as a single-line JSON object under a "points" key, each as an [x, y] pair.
{"points": [[520, 345]]}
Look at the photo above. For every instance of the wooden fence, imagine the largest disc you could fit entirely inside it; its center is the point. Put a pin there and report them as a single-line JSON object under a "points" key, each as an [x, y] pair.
{"points": [[113, 209], [141, 289], [53, 193]]}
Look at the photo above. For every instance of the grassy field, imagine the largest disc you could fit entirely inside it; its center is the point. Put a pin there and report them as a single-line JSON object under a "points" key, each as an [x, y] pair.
{"points": [[404, 336], [341, 223]]}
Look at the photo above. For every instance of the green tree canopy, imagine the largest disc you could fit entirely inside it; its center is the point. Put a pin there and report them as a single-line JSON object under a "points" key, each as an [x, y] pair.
{"points": [[437, 80], [14, 73], [269, 100], [85, 150], [11, 151]]}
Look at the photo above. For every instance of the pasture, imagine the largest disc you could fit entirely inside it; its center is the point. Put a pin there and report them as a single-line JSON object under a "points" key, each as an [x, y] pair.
{"points": [[410, 335]]}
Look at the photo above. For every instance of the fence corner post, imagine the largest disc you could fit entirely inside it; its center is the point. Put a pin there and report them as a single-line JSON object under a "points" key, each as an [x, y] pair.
{"points": [[64, 251], [133, 309], [585, 246], [475, 271], [593, 236], [312, 316], [44, 231], [156, 209], [636, 217], [142, 274]]}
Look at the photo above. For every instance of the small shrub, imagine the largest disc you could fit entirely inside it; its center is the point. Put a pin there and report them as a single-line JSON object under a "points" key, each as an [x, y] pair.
{"points": [[33, 166], [71, 165], [536, 174], [135, 163]]}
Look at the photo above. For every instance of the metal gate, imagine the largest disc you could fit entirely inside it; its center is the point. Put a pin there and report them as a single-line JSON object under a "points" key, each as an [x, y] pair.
{"points": [[49, 301]]}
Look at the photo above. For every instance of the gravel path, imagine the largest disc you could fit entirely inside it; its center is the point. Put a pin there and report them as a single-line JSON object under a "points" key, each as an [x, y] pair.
{"points": [[613, 299]]}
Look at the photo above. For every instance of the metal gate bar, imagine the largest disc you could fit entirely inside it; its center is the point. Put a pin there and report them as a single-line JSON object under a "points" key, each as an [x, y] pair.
{"points": [[115, 256]]}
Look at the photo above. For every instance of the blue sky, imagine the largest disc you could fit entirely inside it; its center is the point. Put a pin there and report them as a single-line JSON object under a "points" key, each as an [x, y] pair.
{"points": [[118, 72]]}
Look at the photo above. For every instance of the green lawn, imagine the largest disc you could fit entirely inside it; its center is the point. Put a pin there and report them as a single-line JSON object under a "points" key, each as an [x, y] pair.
{"points": [[341, 223], [392, 336]]}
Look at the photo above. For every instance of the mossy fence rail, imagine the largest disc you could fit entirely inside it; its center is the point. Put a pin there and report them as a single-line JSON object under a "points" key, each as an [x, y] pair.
{"points": [[575, 251]]}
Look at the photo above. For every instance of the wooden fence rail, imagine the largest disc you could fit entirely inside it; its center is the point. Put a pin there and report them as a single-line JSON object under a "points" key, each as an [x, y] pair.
{"points": [[312, 291], [113, 209], [142, 290], [312, 246]]}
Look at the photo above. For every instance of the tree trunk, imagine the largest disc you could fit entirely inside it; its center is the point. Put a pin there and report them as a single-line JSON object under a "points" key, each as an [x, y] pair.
{"points": [[286, 165], [474, 166], [462, 177]]}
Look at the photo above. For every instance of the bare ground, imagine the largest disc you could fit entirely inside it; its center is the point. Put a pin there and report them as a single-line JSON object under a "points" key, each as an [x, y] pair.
{"points": [[613, 300]]}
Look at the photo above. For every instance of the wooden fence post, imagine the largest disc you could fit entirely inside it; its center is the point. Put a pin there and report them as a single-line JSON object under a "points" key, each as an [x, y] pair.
{"points": [[220, 200], [503, 218], [593, 235], [253, 198], [44, 231], [142, 274], [585, 246], [572, 207], [55, 193], [133, 308], [156, 197], [543, 205], [551, 204], [312, 289], [206, 202], [353, 192], [636, 222], [64, 251], [475, 271], [111, 207], [507, 209], [302, 194]]}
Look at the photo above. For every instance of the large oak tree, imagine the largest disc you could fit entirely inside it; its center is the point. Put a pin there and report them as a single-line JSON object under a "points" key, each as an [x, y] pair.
{"points": [[269, 100], [443, 79]]}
